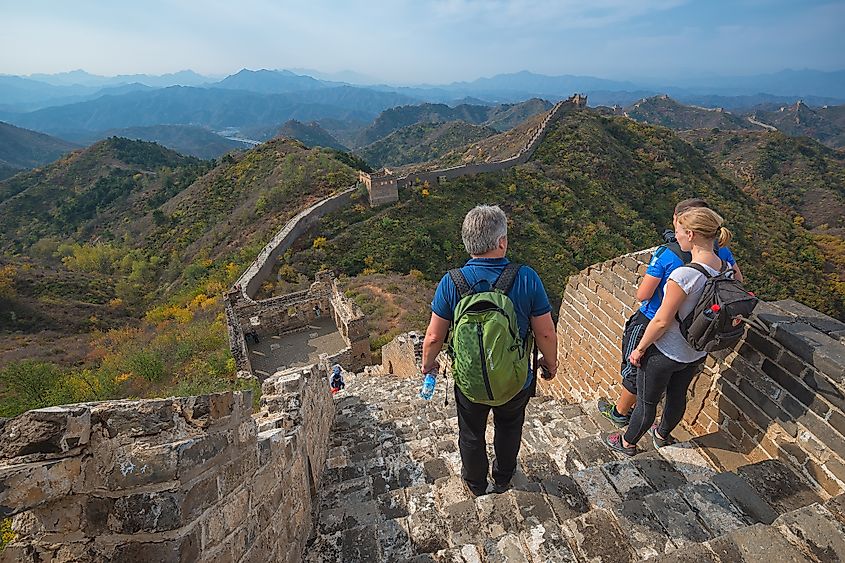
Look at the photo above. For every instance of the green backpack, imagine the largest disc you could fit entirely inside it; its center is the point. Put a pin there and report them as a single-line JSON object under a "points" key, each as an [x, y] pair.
{"points": [[489, 359]]}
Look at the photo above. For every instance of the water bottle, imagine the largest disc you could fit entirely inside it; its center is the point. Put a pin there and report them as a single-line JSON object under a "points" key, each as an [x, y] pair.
{"points": [[428, 386], [711, 312], [701, 325]]}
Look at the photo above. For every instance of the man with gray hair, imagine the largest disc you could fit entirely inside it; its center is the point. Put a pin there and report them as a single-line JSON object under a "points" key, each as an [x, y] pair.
{"points": [[466, 299]]}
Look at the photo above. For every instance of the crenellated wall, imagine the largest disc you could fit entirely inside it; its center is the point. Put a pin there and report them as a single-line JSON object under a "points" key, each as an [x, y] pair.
{"points": [[179, 479], [780, 393]]}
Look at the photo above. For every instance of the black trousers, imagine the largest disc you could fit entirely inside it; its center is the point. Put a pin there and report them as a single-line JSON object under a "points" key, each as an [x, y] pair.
{"points": [[631, 336], [472, 423], [659, 375]]}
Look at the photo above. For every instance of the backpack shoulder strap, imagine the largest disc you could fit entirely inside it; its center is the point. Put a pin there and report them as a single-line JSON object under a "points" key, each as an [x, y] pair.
{"points": [[460, 282], [686, 257], [698, 268], [504, 282]]}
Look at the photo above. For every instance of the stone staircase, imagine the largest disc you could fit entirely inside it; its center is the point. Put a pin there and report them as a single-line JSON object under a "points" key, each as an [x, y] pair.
{"points": [[391, 491]]}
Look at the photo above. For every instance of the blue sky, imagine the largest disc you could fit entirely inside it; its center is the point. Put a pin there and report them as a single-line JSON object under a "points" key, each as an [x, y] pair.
{"points": [[417, 41]]}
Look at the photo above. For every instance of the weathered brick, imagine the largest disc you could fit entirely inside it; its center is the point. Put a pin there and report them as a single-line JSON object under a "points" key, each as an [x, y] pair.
{"points": [[29, 485], [765, 346], [52, 430], [822, 386], [135, 418], [795, 387], [821, 477]]}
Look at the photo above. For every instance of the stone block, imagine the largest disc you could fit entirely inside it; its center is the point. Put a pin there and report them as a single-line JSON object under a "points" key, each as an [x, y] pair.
{"points": [[133, 419], [198, 497], [836, 506], [504, 549], [463, 524], [677, 518], [427, 529], [240, 470], [547, 542], [349, 516], [755, 543], [817, 529], [538, 466], [814, 318], [394, 540], [643, 529], [29, 485], [184, 549], [146, 512], [713, 509], [533, 507], [657, 471], [62, 516], [820, 476], [498, 514], [744, 497], [597, 489], [135, 465], [688, 461], [45, 432], [196, 455], [627, 480], [392, 504], [595, 536], [776, 484], [204, 410], [814, 347]]}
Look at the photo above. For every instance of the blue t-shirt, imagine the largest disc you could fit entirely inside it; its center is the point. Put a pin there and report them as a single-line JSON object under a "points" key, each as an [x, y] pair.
{"points": [[528, 294], [661, 265]]}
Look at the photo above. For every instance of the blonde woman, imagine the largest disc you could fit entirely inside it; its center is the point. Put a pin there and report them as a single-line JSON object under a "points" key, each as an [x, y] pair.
{"points": [[666, 362]]}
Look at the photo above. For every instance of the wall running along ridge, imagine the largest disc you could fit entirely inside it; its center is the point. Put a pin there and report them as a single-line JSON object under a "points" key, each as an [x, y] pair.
{"points": [[295, 310], [780, 393], [181, 479], [383, 188]]}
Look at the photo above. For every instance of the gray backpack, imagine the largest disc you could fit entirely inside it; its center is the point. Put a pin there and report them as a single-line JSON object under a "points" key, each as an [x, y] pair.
{"points": [[715, 323]]}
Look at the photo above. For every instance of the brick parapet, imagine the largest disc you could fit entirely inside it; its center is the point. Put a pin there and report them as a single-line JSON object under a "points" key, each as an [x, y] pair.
{"points": [[179, 479], [779, 393]]}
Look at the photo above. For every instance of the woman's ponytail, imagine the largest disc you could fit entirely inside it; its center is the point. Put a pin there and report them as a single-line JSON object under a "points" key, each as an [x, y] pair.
{"points": [[725, 237]]}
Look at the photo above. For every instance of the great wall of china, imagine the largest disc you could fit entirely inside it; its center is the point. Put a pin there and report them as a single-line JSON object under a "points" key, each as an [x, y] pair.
{"points": [[373, 475]]}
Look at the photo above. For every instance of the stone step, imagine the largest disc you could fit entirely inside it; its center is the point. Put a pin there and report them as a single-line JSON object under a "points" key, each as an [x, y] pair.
{"points": [[392, 479]]}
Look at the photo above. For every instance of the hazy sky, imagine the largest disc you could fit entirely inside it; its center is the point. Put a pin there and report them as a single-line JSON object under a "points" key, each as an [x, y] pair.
{"points": [[415, 41]]}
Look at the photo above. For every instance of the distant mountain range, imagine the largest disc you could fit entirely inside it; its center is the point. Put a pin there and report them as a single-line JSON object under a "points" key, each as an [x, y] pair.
{"points": [[825, 124]]}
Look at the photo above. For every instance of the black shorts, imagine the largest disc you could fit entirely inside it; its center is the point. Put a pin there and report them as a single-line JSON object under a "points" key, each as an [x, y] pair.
{"points": [[631, 336]]}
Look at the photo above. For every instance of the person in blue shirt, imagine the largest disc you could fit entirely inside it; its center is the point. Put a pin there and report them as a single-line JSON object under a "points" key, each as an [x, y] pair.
{"points": [[484, 234], [663, 262]]}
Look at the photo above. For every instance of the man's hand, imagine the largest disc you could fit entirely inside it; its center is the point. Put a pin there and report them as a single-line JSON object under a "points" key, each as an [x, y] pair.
{"points": [[434, 368], [548, 369]]}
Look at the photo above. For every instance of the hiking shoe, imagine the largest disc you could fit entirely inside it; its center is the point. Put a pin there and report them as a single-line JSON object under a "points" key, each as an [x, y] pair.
{"points": [[614, 442], [606, 409], [657, 440], [497, 488], [476, 491]]}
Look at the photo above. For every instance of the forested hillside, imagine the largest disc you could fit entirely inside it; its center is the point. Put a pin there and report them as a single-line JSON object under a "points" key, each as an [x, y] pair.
{"points": [[422, 142], [115, 261], [596, 188]]}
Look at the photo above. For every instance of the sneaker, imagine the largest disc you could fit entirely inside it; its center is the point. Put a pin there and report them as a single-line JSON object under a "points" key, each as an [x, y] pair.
{"points": [[657, 440], [614, 442], [606, 409]]}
